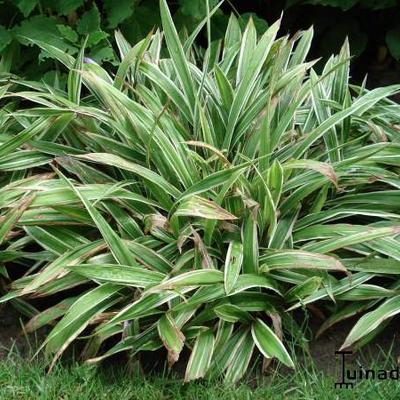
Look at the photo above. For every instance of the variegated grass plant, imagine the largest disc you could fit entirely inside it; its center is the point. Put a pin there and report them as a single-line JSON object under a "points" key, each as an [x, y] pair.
{"points": [[192, 198]]}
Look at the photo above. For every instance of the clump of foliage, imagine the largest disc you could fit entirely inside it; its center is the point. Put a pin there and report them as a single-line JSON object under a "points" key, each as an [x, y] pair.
{"points": [[190, 197]]}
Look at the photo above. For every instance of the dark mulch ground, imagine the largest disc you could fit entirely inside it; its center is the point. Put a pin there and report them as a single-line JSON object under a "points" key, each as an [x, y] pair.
{"points": [[11, 333]]}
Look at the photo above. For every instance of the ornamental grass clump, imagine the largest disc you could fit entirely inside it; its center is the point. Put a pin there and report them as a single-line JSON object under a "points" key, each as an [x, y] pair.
{"points": [[192, 198]]}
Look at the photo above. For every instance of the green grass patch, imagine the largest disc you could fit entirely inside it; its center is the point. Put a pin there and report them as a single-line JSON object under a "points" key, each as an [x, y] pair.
{"points": [[24, 380]]}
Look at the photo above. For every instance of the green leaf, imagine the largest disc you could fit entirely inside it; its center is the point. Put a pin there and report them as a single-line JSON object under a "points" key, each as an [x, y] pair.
{"points": [[79, 316], [239, 358], [119, 274], [75, 77], [94, 38], [149, 257], [340, 287], [232, 313], [143, 306], [56, 240], [118, 12], [12, 217], [260, 24], [200, 357], [65, 7], [160, 79], [89, 22], [233, 264], [366, 292], [366, 235], [292, 259], [247, 281], [305, 289], [224, 86], [199, 207], [372, 320], [5, 37], [26, 6], [249, 42], [323, 168], [117, 248], [216, 179], [39, 126], [195, 8], [113, 160], [68, 33], [250, 243], [192, 278], [171, 336], [42, 28], [381, 265], [269, 344], [176, 52]]}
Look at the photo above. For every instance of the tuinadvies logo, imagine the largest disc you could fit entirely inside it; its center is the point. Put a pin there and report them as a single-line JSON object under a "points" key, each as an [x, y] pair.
{"points": [[349, 376]]}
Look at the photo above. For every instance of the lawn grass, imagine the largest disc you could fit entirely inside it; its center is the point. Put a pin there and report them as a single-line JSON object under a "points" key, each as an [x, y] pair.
{"points": [[24, 380]]}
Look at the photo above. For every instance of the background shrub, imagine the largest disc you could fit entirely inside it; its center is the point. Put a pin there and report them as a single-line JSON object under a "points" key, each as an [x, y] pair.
{"points": [[372, 28]]}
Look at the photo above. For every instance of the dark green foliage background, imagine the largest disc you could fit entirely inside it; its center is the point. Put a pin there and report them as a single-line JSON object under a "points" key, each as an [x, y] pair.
{"points": [[372, 27]]}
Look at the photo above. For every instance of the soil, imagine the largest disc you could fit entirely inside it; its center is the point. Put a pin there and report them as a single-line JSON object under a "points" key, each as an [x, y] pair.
{"points": [[11, 333], [323, 349]]}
